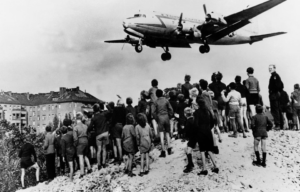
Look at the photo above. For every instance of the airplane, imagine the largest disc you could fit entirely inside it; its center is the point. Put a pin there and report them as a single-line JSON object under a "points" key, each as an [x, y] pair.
{"points": [[164, 30]]}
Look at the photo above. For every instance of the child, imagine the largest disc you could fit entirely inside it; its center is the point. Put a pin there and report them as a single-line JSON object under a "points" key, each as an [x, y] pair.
{"points": [[260, 125], [190, 133], [67, 147], [129, 143], [180, 111], [144, 139], [216, 127], [173, 102], [162, 111]]}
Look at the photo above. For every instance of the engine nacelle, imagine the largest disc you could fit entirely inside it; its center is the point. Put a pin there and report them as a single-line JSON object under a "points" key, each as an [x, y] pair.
{"points": [[197, 34]]}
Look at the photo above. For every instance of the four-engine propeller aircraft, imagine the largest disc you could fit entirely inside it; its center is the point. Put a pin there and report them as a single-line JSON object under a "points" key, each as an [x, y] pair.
{"points": [[163, 30]]}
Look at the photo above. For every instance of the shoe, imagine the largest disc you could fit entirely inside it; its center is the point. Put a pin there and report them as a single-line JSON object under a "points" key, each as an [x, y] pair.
{"points": [[182, 140], [130, 174], [141, 174], [89, 171], [247, 131], [115, 161], [146, 172], [216, 150], [81, 176], [244, 136], [99, 167], [188, 168], [233, 135], [104, 165], [215, 170], [264, 165], [170, 151], [203, 172], [162, 154], [256, 163], [126, 171]]}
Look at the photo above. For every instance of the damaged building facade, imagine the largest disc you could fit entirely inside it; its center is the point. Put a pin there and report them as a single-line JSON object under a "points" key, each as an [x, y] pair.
{"points": [[38, 110]]}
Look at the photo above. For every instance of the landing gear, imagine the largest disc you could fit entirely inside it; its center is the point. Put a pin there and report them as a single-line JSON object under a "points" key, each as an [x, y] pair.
{"points": [[166, 56], [204, 48], [138, 48]]}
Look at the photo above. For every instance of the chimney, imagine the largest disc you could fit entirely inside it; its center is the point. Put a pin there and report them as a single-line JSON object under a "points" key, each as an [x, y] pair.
{"points": [[9, 93], [28, 96], [62, 91], [77, 88]]}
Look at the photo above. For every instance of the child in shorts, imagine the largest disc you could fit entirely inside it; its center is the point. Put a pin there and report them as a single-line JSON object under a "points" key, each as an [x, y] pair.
{"points": [[260, 125]]}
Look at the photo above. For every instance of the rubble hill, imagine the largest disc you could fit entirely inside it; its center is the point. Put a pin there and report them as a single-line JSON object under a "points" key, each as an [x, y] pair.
{"points": [[166, 174]]}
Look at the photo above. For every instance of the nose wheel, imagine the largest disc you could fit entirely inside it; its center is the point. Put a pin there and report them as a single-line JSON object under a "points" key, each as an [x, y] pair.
{"points": [[204, 48], [166, 56], [138, 48]]}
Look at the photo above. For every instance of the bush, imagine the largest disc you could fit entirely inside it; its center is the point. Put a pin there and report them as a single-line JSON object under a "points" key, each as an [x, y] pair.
{"points": [[10, 146]]}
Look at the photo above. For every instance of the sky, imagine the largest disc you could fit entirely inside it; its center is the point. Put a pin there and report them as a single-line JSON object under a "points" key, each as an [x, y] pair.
{"points": [[50, 44]]}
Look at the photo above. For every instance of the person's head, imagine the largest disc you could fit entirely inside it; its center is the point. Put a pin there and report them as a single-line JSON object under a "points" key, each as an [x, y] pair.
{"points": [[250, 70], [154, 83], [244, 82], [179, 86], [258, 109], [58, 132], [194, 93], [296, 86], [180, 97], [120, 102], [79, 116], [143, 94], [159, 93], [96, 108], [213, 77], [188, 112], [201, 102], [172, 95], [141, 120], [129, 119], [128, 100], [67, 122], [219, 76], [272, 68], [27, 138], [203, 84], [187, 78], [238, 79], [48, 128], [212, 94], [232, 86]]}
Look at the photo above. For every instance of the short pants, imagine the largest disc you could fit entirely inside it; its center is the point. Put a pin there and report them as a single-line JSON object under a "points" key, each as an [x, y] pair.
{"points": [[82, 147], [102, 139], [163, 122], [234, 111], [26, 162]]}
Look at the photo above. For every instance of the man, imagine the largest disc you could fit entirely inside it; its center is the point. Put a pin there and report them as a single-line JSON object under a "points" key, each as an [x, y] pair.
{"points": [[252, 85], [275, 87], [153, 98], [27, 150], [234, 100], [99, 123], [162, 111], [185, 88]]}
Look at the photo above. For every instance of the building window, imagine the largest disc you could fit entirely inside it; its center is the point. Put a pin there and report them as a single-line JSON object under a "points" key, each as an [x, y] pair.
{"points": [[33, 113], [44, 108], [33, 123], [52, 107], [59, 106]]}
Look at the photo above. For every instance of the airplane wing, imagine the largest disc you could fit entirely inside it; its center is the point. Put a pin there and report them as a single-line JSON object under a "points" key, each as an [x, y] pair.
{"points": [[126, 40], [252, 12], [240, 19], [116, 41], [261, 37]]}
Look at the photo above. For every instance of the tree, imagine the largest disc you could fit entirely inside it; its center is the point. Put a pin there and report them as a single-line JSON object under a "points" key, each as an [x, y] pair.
{"points": [[55, 122]]}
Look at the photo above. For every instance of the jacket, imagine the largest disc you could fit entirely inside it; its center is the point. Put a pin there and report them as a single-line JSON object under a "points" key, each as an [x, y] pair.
{"points": [[99, 123], [296, 97], [67, 144], [185, 89], [79, 131], [162, 107], [49, 143], [260, 124], [275, 83], [252, 84], [144, 137]]}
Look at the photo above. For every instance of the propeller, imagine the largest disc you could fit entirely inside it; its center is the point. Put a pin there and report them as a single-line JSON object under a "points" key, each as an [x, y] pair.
{"points": [[204, 8], [180, 26]]}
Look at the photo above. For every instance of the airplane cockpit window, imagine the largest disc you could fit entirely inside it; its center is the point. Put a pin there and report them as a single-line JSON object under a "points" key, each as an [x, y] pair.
{"points": [[139, 15]]}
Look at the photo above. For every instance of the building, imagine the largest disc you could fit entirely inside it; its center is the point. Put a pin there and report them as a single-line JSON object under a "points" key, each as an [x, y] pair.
{"points": [[38, 110]]}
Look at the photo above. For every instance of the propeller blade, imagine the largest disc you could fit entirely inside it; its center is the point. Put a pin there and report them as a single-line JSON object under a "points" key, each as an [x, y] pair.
{"points": [[204, 8], [123, 46], [180, 20]]}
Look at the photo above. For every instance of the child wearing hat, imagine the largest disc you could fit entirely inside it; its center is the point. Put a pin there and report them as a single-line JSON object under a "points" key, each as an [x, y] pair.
{"points": [[129, 143], [260, 125], [144, 138]]}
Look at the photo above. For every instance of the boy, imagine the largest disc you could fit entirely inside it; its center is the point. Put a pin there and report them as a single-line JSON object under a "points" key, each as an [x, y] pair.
{"points": [[162, 111], [260, 125]]}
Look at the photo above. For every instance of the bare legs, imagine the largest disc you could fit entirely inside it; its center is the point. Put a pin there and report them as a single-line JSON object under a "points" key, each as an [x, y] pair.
{"points": [[83, 158], [37, 173]]}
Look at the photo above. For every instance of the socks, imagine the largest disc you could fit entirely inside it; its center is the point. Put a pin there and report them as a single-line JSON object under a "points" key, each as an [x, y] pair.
{"points": [[190, 160], [264, 157], [257, 156]]}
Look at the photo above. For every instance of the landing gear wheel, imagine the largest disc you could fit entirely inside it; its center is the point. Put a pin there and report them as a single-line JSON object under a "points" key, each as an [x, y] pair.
{"points": [[166, 56], [207, 48], [202, 49], [138, 48]]}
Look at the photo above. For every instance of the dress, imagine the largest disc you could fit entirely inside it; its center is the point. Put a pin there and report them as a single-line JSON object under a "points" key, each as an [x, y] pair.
{"points": [[204, 122], [129, 139], [144, 138]]}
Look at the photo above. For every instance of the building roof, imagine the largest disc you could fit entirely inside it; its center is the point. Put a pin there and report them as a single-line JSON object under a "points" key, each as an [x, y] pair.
{"points": [[63, 96]]}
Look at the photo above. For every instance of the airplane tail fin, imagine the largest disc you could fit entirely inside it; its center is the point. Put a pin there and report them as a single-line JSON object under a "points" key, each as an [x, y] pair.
{"points": [[256, 38]]}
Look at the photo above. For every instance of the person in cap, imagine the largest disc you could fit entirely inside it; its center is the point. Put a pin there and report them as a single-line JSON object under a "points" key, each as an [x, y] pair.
{"points": [[185, 88], [81, 143], [118, 122], [260, 125], [162, 111], [296, 104], [252, 85], [129, 108], [67, 148], [25, 154]]}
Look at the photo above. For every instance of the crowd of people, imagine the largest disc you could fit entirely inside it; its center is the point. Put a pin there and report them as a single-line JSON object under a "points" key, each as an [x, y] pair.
{"points": [[197, 113]]}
